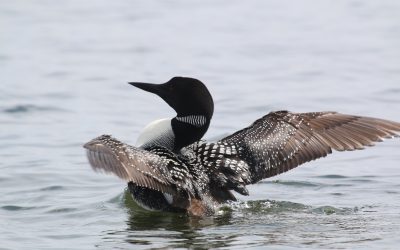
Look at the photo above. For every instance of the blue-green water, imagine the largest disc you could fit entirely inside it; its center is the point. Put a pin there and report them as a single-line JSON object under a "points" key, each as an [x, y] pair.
{"points": [[63, 72]]}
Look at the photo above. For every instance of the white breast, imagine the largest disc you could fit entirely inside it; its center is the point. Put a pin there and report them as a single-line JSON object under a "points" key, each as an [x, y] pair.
{"points": [[158, 132]]}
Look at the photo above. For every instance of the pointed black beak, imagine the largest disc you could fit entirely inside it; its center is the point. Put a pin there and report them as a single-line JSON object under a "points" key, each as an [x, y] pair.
{"points": [[162, 90], [149, 87]]}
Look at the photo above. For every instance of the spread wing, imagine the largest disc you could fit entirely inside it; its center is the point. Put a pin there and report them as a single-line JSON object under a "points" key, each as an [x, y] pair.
{"points": [[131, 164], [282, 140]]}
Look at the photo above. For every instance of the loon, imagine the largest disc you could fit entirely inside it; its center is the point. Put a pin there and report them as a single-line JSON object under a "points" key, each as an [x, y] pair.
{"points": [[173, 169]]}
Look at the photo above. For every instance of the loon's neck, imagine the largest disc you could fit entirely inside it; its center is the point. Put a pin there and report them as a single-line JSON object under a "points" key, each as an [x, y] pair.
{"points": [[189, 129], [174, 133]]}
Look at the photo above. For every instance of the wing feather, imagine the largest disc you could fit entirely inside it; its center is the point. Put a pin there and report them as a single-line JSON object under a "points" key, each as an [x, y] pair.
{"points": [[130, 164], [283, 140]]}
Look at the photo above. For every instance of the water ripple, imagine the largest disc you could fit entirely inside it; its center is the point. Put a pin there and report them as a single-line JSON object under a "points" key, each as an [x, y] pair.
{"points": [[62, 210], [16, 208], [332, 176], [52, 188], [27, 108], [298, 183]]}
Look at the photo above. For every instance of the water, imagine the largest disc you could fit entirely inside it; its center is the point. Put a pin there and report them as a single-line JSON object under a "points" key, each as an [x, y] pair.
{"points": [[63, 72]]}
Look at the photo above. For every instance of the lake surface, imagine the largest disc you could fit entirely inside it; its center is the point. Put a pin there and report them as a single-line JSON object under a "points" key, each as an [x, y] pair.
{"points": [[63, 72]]}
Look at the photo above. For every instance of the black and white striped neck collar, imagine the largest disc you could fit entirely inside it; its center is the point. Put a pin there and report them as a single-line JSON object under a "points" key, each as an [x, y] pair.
{"points": [[188, 129], [195, 120]]}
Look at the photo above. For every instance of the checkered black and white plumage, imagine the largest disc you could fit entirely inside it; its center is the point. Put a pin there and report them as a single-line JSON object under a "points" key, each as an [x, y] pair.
{"points": [[209, 171]]}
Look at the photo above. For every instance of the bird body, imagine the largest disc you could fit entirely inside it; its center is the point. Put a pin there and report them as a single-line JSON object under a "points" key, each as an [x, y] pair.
{"points": [[172, 169]]}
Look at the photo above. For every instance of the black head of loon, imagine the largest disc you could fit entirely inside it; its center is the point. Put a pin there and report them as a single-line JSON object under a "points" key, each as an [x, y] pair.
{"points": [[192, 102]]}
